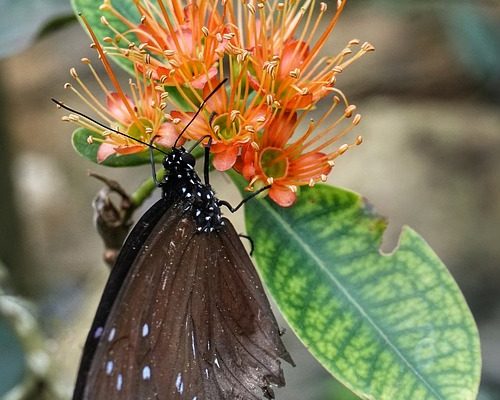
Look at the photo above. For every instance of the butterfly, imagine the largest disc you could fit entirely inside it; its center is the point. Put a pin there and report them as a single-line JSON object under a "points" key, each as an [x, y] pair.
{"points": [[184, 314]]}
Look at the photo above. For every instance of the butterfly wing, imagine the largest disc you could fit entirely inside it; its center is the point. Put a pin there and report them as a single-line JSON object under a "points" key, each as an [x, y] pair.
{"points": [[191, 321], [118, 274]]}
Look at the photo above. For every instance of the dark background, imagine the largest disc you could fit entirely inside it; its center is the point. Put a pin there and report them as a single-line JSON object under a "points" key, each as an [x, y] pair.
{"points": [[429, 97]]}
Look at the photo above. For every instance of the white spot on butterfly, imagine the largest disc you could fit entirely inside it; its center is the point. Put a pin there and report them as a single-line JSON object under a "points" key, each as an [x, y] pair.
{"points": [[183, 190], [199, 194], [146, 373], [98, 332], [119, 382], [111, 335], [179, 384], [206, 372], [216, 362], [198, 212], [188, 195], [109, 367], [193, 346], [145, 330]]}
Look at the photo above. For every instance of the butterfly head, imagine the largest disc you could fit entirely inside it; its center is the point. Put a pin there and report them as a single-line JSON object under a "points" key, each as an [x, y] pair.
{"points": [[179, 165]]}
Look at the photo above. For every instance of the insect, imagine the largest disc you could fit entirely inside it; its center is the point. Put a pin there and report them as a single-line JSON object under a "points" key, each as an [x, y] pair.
{"points": [[183, 314]]}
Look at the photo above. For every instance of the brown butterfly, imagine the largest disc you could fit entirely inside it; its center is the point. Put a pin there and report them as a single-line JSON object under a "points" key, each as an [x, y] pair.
{"points": [[183, 314]]}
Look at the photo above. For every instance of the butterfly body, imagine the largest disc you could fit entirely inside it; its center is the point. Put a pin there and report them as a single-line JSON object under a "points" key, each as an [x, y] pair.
{"points": [[184, 314], [182, 182]]}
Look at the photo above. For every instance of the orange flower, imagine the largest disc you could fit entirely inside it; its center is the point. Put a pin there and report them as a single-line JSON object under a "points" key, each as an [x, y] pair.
{"points": [[139, 114], [284, 61], [256, 124], [229, 119], [183, 43], [281, 159]]}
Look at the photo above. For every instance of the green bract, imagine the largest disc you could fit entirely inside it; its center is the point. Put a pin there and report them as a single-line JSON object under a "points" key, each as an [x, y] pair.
{"points": [[89, 151]]}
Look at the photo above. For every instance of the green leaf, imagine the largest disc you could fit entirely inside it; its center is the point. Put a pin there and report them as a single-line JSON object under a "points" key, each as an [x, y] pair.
{"points": [[388, 326], [89, 9], [89, 151]]}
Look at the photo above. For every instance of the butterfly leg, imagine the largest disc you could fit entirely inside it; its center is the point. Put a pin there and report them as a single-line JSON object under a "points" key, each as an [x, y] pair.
{"points": [[152, 160], [252, 247], [234, 209], [206, 163]]}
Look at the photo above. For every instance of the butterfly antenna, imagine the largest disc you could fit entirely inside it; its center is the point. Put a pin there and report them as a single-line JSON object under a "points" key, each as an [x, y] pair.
{"points": [[62, 105], [219, 85]]}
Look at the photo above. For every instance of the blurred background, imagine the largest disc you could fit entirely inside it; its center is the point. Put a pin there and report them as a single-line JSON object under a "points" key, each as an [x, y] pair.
{"points": [[430, 99]]}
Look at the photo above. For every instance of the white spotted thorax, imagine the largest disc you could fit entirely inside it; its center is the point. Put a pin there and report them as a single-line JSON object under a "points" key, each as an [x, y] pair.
{"points": [[182, 180]]}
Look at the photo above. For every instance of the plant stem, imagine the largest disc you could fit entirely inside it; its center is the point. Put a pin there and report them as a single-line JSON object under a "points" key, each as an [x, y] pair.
{"points": [[145, 189]]}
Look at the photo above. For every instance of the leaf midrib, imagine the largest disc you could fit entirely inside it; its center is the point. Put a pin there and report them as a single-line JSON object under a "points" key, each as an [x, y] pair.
{"points": [[347, 294]]}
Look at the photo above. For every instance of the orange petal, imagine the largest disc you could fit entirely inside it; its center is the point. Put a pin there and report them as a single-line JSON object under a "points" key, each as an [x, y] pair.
{"points": [[282, 195], [280, 130], [199, 82], [245, 162], [298, 101], [218, 101], [248, 171], [198, 128], [255, 83], [146, 34], [218, 148], [157, 72], [167, 135], [259, 114], [129, 149], [226, 159], [310, 165], [117, 108], [184, 40], [105, 150], [293, 56]]}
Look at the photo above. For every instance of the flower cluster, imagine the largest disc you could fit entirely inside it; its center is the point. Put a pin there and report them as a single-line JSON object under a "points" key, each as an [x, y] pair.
{"points": [[260, 125]]}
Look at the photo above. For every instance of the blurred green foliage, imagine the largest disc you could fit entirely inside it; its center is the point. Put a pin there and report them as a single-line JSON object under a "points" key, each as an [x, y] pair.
{"points": [[21, 21], [12, 363]]}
